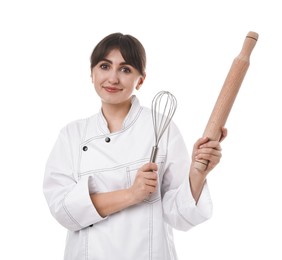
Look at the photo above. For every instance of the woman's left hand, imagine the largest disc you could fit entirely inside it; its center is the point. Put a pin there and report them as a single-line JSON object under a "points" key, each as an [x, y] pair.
{"points": [[208, 150]]}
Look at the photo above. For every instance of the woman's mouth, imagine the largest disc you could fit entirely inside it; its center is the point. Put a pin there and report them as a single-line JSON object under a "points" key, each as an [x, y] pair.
{"points": [[112, 89]]}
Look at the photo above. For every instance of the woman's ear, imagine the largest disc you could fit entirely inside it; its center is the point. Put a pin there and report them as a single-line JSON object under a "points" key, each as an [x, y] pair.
{"points": [[141, 81]]}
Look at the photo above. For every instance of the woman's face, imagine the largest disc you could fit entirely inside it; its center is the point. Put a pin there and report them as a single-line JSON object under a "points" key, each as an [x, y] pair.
{"points": [[114, 80]]}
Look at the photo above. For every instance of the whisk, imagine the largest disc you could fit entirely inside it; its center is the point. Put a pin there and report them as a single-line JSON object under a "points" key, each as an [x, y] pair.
{"points": [[163, 108]]}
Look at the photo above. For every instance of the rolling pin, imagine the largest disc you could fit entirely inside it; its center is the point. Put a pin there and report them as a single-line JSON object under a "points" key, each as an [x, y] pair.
{"points": [[228, 94]]}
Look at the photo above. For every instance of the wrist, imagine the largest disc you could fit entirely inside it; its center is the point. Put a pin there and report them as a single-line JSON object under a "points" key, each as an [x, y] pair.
{"points": [[197, 176], [130, 197], [197, 181]]}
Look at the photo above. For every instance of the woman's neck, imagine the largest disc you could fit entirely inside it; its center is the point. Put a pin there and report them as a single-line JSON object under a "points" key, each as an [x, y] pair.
{"points": [[115, 114]]}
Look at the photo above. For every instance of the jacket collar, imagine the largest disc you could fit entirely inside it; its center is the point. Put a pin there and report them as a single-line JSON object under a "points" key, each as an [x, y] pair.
{"points": [[132, 115]]}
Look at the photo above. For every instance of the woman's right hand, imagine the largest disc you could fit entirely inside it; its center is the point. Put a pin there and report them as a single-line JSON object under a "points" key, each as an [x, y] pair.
{"points": [[145, 182]]}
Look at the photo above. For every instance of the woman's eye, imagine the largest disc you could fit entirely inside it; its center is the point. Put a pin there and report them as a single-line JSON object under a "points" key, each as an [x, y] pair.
{"points": [[104, 66], [125, 69]]}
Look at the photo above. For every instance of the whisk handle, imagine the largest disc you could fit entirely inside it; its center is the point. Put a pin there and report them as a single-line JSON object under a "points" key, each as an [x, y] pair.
{"points": [[154, 154]]}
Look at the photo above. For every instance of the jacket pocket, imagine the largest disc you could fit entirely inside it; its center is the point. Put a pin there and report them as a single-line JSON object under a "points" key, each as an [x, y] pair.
{"points": [[107, 180], [121, 177]]}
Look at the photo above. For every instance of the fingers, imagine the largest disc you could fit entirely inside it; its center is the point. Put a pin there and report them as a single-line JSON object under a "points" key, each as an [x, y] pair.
{"points": [[146, 182], [152, 183], [148, 167], [223, 134], [204, 140], [209, 155], [208, 150], [211, 145], [200, 142]]}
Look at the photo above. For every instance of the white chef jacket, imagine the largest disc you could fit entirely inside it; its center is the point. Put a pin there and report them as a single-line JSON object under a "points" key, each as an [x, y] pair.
{"points": [[87, 158]]}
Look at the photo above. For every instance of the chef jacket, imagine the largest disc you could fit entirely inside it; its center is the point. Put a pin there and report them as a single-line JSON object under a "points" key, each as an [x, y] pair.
{"points": [[87, 159]]}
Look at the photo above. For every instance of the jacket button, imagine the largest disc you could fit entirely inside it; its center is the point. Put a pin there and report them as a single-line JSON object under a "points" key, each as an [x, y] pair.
{"points": [[85, 148], [107, 139]]}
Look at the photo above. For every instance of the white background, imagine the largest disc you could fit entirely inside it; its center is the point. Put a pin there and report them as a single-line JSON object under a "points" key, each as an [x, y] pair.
{"points": [[45, 83]]}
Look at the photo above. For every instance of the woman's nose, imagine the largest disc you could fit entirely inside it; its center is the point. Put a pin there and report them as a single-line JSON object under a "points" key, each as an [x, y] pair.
{"points": [[113, 77]]}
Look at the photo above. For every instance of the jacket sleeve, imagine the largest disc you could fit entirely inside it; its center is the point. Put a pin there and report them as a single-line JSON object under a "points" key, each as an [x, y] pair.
{"points": [[179, 207], [67, 196]]}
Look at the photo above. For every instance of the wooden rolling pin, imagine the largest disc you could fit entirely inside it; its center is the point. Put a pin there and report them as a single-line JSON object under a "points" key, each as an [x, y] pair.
{"points": [[228, 94]]}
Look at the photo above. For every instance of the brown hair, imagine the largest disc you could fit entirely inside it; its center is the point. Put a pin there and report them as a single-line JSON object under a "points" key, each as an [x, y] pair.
{"points": [[130, 48]]}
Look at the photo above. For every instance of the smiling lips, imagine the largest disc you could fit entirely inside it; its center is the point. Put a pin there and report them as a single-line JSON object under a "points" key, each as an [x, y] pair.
{"points": [[112, 89]]}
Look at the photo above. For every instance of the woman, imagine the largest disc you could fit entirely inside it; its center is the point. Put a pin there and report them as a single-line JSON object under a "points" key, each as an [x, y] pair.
{"points": [[98, 182]]}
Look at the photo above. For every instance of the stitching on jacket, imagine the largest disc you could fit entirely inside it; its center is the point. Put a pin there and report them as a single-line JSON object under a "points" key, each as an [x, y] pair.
{"points": [[170, 247], [150, 231], [79, 162], [71, 152], [115, 133], [134, 105], [80, 152], [68, 213], [128, 177], [98, 125], [119, 166], [86, 243], [68, 143]]}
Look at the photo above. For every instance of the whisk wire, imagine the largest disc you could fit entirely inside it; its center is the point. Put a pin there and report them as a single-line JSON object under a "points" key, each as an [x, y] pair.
{"points": [[163, 108]]}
